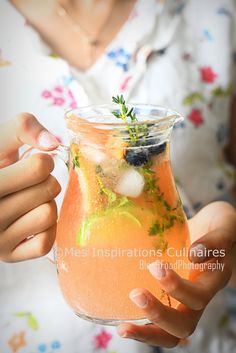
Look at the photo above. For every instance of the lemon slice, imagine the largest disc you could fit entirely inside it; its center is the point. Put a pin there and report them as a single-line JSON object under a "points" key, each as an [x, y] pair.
{"points": [[102, 224]]}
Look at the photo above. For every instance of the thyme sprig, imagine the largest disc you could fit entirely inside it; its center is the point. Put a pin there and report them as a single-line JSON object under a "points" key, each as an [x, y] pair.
{"points": [[75, 154], [168, 215], [136, 132], [112, 198]]}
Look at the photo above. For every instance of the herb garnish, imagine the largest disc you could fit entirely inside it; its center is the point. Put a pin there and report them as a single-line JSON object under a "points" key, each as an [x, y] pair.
{"points": [[167, 215], [111, 195], [75, 161], [75, 153], [136, 132], [155, 229], [112, 198]]}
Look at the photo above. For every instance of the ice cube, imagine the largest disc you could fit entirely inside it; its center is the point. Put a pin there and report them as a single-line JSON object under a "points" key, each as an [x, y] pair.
{"points": [[130, 183], [93, 153]]}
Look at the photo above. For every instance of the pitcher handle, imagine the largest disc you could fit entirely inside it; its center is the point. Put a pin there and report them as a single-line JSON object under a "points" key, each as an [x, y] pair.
{"points": [[62, 152]]}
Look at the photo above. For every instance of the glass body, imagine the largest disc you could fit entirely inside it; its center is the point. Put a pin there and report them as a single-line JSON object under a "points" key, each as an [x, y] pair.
{"points": [[121, 211]]}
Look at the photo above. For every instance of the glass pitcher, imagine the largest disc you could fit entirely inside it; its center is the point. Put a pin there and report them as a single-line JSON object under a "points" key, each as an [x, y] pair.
{"points": [[121, 211]]}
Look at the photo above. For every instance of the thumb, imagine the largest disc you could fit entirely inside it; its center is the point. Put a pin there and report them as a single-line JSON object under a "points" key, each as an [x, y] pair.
{"points": [[24, 129]]}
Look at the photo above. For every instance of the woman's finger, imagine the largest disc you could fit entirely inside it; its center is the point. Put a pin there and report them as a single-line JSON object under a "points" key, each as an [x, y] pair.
{"points": [[149, 334], [34, 222], [195, 295], [9, 159], [14, 206], [180, 323], [24, 129], [25, 173], [37, 246]]}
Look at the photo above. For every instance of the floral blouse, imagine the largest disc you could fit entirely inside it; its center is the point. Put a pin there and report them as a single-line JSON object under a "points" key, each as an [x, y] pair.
{"points": [[175, 53]]}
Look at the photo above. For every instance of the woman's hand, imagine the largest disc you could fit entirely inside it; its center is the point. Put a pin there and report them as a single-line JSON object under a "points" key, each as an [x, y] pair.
{"points": [[216, 225], [27, 191]]}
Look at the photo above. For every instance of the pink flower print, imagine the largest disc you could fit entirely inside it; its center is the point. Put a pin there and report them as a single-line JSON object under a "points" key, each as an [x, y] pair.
{"points": [[73, 105], [124, 84], [187, 57], [60, 95], [102, 339], [46, 94], [70, 94], [208, 75], [58, 89], [196, 117], [59, 101]]}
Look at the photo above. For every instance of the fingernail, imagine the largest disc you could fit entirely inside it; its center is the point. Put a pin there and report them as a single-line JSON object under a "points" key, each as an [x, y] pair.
{"points": [[47, 140], [198, 253], [139, 299], [157, 269]]}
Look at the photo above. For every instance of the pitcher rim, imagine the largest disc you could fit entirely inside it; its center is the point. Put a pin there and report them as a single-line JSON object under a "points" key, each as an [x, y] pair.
{"points": [[173, 116]]}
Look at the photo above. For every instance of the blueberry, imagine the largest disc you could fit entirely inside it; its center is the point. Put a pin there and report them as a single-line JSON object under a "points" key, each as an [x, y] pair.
{"points": [[137, 156], [141, 155], [157, 149]]}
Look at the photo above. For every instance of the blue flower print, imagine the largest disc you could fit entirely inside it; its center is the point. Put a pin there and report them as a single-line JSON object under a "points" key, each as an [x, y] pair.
{"points": [[222, 134], [42, 348], [157, 350], [234, 57], [56, 345], [187, 211], [207, 35], [179, 8], [121, 58], [220, 185], [52, 347], [223, 11], [197, 206], [68, 79]]}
